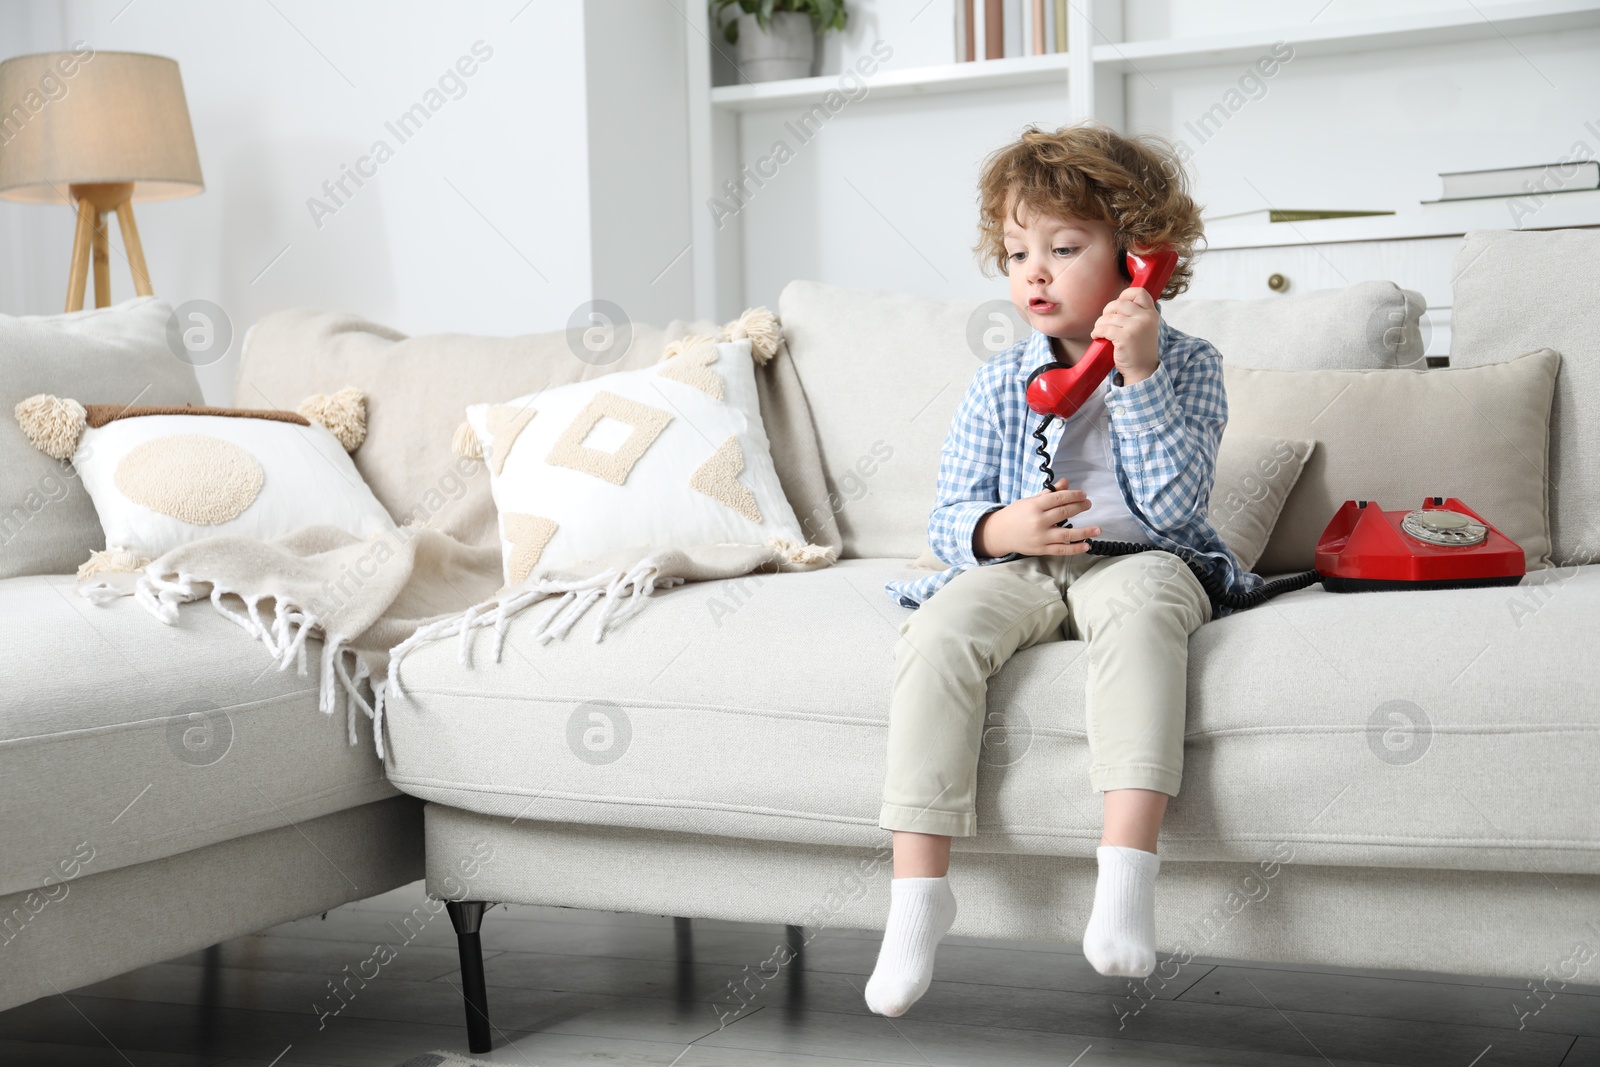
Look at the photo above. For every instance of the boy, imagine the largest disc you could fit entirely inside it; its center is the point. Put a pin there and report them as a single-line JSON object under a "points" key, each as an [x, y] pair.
{"points": [[1058, 211]]}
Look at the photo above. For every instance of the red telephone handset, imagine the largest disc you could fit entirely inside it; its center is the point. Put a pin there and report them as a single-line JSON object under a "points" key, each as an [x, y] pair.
{"points": [[1060, 389]]}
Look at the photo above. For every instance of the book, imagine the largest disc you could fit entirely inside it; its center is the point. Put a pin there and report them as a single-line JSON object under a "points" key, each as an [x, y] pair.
{"points": [[966, 31], [1008, 28], [1246, 218], [994, 29], [1518, 181]]}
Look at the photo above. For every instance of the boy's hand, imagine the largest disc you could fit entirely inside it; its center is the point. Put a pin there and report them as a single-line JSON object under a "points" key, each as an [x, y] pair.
{"points": [[1133, 326], [1029, 525]]}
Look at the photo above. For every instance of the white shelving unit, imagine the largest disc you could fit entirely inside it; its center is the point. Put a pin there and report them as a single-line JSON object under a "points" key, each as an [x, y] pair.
{"points": [[1339, 38], [1046, 70], [1093, 73], [1343, 38]]}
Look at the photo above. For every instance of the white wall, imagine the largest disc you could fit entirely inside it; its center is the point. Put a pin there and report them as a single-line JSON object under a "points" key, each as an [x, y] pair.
{"points": [[480, 222], [28, 283]]}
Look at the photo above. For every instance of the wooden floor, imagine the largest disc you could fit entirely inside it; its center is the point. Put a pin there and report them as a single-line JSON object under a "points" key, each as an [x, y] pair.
{"points": [[577, 987]]}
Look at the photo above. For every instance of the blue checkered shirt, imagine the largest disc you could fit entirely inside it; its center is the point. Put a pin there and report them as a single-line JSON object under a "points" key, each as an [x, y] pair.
{"points": [[1164, 435]]}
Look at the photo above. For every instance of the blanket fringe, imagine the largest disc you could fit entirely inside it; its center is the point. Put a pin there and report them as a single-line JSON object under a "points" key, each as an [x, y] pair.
{"points": [[572, 598], [341, 670]]}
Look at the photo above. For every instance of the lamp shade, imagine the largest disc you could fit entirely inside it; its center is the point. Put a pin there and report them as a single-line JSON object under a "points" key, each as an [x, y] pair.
{"points": [[95, 117]]}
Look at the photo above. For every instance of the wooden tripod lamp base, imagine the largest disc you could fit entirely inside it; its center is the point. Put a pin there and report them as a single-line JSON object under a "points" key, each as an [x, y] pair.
{"points": [[95, 201], [124, 128]]}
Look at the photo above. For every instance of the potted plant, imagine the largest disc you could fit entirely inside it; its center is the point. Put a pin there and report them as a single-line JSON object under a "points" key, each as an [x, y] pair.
{"points": [[777, 38]]}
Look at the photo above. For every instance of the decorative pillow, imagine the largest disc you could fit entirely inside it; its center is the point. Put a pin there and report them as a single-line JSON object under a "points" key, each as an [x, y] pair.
{"points": [[417, 387], [116, 355], [668, 456], [1253, 478], [165, 476], [1396, 436], [1255, 474]]}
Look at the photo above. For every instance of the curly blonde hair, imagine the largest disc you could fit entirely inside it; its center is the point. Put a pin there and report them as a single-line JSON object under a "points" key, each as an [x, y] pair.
{"points": [[1090, 171]]}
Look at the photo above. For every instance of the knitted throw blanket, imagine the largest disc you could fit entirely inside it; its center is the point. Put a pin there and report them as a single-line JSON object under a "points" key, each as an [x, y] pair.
{"points": [[371, 601]]}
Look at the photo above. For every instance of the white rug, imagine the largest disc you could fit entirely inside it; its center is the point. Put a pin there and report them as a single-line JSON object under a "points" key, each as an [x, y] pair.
{"points": [[445, 1059]]}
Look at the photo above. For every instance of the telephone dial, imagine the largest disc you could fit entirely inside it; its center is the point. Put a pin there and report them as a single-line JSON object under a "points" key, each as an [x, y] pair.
{"points": [[1442, 545]]}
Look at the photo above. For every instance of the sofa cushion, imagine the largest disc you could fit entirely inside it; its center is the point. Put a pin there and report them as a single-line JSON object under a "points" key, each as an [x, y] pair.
{"points": [[1514, 291], [1480, 434], [1255, 475], [1367, 325], [757, 708], [884, 372], [127, 740], [111, 355]]}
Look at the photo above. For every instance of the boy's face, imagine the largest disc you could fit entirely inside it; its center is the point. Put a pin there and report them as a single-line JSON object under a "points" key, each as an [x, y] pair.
{"points": [[1063, 274]]}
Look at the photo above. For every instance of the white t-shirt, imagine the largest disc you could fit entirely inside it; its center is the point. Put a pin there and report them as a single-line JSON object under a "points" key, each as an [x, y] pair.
{"points": [[1085, 459]]}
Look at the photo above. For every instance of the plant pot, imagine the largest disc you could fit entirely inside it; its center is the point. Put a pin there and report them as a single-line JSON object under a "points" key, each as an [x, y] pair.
{"points": [[786, 52]]}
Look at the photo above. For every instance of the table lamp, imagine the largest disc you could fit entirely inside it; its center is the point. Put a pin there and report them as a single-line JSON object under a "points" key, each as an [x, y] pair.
{"points": [[101, 129]]}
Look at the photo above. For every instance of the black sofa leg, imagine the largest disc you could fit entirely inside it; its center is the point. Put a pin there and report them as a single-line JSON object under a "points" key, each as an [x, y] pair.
{"points": [[466, 916]]}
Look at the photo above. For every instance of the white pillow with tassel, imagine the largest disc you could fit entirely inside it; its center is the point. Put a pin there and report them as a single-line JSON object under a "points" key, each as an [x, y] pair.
{"points": [[669, 456], [161, 477]]}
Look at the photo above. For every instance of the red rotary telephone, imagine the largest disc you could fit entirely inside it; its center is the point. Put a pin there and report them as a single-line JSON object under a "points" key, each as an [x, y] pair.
{"points": [[1442, 545], [1060, 389]]}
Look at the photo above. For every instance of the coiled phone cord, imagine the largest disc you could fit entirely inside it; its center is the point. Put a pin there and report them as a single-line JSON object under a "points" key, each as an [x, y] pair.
{"points": [[1212, 585]]}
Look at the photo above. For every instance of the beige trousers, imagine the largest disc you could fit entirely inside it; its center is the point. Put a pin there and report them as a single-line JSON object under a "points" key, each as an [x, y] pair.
{"points": [[1135, 612]]}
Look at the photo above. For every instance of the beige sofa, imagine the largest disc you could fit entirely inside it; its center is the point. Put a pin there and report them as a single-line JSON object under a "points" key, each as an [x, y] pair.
{"points": [[1391, 780], [747, 718]]}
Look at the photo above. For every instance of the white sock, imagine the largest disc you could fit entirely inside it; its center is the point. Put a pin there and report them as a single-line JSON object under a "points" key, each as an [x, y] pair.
{"points": [[1121, 936], [921, 911]]}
